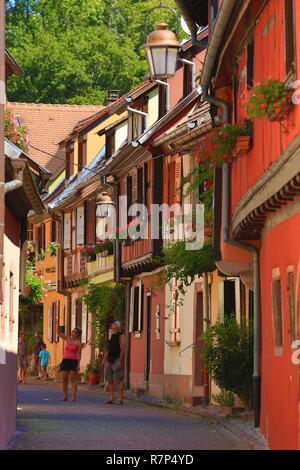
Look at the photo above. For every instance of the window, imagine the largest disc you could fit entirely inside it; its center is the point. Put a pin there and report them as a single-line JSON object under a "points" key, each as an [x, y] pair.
{"points": [[30, 231], [69, 161], [11, 302], [90, 221], [80, 226], [187, 79], [175, 319], [229, 298], [41, 238], [290, 55], [53, 231], [110, 146], [136, 308], [250, 64], [82, 153], [291, 303], [277, 313], [78, 320]]}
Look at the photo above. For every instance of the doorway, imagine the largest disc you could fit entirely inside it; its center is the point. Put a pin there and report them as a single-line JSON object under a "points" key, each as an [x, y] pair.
{"points": [[148, 338], [198, 365]]}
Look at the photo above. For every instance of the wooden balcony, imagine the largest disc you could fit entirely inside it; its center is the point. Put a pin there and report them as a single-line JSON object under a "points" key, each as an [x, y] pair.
{"points": [[101, 265], [75, 268]]}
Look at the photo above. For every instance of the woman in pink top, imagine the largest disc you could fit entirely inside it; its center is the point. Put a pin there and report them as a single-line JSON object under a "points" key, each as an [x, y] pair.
{"points": [[70, 363]]}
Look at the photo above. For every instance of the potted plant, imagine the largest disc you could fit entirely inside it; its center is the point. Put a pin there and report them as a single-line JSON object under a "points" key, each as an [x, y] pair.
{"points": [[271, 99], [225, 399], [244, 141], [53, 247], [92, 372]]}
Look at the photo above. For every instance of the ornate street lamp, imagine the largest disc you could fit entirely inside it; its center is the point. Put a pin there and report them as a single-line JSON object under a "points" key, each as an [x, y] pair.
{"points": [[162, 48], [104, 205]]}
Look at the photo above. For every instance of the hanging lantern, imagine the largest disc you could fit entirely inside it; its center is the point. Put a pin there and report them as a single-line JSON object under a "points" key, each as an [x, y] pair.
{"points": [[104, 205], [162, 48]]}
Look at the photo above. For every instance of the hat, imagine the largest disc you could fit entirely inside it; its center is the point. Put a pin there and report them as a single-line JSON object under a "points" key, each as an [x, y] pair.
{"points": [[117, 322]]}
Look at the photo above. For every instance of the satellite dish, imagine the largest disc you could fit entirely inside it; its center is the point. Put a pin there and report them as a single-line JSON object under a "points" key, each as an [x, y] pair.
{"points": [[185, 26]]}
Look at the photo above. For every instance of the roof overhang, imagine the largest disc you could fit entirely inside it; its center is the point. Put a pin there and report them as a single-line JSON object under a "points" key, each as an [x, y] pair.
{"points": [[11, 66]]}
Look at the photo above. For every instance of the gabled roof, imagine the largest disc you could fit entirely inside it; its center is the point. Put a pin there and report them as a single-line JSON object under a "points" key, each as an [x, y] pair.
{"points": [[112, 108], [47, 125], [85, 177], [11, 66]]}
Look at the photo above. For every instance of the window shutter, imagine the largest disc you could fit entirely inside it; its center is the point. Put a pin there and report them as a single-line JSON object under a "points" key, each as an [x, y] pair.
{"points": [[172, 182], [250, 64], [67, 231], [84, 323], [129, 192], [131, 313], [44, 237], [50, 323], [135, 187], [73, 314], [90, 221], [53, 231], [141, 307], [140, 185], [145, 185], [80, 226], [178, 177], [57, 321], [80, 155], [136, 309]]}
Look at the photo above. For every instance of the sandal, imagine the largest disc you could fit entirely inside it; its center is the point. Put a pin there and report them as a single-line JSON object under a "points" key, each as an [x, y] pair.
{"points": [[109, 402]]}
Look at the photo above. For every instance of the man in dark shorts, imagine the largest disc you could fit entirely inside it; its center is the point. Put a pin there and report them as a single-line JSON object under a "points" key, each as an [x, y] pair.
{"points": [[113, 361]]}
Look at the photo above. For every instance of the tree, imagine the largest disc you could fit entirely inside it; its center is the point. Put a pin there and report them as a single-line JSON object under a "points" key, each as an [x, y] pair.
{"points": [[75, 52]]}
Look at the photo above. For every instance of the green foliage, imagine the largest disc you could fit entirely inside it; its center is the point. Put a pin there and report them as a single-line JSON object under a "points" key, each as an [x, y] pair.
{"points": [[53, 247], [106, 302], [35, 286], [74, 52], [268, 99], [184, 265], [224, 398], [228, 353]]}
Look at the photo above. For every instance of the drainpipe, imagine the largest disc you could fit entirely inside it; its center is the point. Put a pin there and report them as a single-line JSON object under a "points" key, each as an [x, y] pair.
{"points": [[223, 18], [168, 94], [136, 111], [2, 156], [193, 65], [256, 290]]}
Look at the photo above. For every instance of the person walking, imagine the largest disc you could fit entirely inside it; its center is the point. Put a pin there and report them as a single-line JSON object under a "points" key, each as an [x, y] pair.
{"points": [[45, 360], [113, 361], [22, 356], [37, 349], [70, 364]]}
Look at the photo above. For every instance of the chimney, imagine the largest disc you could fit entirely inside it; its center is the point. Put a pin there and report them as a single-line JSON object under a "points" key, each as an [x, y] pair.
{"points": [[113, 95]]}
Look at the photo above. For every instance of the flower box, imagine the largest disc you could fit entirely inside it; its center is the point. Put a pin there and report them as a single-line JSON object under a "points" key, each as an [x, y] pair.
{"points": [[243, 145], [282, 114]]}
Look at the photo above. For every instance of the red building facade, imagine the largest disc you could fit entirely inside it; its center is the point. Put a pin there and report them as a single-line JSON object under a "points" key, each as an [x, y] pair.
{"points": [[256, 196]]}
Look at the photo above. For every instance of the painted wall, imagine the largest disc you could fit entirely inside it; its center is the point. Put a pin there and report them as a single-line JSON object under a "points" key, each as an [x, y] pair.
{"points": [[9, 343], [270, 139], [138, 341], [279, 409]]}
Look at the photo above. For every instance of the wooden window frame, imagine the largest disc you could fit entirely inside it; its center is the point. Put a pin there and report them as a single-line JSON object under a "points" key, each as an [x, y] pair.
{"points": [[291, 302], [277, 312], [250, 64], [187, 79], [290, 40]]}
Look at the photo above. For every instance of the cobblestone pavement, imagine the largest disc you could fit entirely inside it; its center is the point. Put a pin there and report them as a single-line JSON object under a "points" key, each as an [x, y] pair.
{"points": [[90, 424]]}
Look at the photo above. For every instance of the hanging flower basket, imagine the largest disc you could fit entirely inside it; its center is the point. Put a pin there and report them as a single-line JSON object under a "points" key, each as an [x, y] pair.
{"points": [[243, 145], [270, 100], [281, 115]]}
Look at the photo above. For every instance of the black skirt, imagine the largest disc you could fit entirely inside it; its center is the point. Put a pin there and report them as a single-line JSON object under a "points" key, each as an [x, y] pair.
{"points": [[69, 365]]}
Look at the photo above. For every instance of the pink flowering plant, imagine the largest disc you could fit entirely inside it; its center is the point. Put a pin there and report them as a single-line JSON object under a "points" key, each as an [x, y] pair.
{"points": [[15, 132], [269, 99], [93, 249]]}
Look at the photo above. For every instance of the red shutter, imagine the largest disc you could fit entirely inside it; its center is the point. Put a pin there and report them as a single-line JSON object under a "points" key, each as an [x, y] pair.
{"points": [[178, 179]]}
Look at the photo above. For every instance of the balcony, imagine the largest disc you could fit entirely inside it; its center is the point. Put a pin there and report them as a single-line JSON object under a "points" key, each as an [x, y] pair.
{"points": [[102, 264]]}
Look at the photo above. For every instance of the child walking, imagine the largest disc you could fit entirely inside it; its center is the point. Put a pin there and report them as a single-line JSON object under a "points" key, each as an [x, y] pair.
{"points": [[45, 360]]}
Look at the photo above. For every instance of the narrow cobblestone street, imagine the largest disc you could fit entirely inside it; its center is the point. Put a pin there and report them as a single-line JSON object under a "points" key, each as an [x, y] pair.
{"points": [[46, 423]]}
